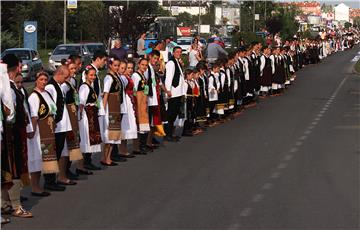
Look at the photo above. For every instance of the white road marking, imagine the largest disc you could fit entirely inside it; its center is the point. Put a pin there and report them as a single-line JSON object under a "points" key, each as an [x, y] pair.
{"points": [[299, 143], [293, 150], [246, 212], [267, 186], [310, 127], [258, 197], [314, 123], [288, 157], [303, 137], [282, 165], [307, 132], [275, 175]]}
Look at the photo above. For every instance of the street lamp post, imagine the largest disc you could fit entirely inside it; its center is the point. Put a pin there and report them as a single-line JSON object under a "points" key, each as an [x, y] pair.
{"points": [[240, 16], [199, 18], [254, 17], [64, 35]]}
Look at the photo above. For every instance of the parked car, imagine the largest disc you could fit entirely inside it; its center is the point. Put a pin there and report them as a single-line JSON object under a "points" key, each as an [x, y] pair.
{"points": [[63, 51], [227, 42], [185, 44], [93, 46], [31, 62]]}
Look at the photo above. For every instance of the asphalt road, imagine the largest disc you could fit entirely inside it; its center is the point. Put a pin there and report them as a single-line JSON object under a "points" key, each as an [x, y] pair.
{"points": [[290, 163]]}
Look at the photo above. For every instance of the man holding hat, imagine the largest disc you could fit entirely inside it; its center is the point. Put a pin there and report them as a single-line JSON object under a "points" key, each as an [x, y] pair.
{"points": [[14, 166]]}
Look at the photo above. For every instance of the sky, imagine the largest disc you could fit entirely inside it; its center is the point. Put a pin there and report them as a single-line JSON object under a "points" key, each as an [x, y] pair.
{"points": [[350, 3]]}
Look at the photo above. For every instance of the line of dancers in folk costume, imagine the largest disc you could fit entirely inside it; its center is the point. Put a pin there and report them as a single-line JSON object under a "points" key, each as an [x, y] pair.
{"points": [[64, 121]]}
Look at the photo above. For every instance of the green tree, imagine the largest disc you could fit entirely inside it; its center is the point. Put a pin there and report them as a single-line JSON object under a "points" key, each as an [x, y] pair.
{"points": [[7, 40], [184, 19], [286, 18]]}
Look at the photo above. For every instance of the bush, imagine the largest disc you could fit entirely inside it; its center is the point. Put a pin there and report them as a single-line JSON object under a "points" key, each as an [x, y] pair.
{"points": [[247, 37], [7, 40]]}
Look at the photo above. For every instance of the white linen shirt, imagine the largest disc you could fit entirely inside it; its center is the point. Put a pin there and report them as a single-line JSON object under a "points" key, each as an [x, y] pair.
{"points": [[64, 124], [170, 70]]}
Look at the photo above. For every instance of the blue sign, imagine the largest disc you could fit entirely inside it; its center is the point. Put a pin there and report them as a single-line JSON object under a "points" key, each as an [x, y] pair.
{"points": [[30, 34]]}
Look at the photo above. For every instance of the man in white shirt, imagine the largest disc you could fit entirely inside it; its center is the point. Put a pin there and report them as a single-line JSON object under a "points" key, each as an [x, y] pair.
{"points": [[174, 84], [63, 125]]}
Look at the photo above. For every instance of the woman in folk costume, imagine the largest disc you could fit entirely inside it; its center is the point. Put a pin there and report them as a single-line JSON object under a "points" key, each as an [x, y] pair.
{"points": [[279, 69], [141, 90], [196, 94], [90, 137], [41, 142], [213, 89], [128, 121], [73, 137], [157, 116], [267, 69], [202, 100], [230, 73], [222, 104], [153, 97], [188, 124], [112, 100]]}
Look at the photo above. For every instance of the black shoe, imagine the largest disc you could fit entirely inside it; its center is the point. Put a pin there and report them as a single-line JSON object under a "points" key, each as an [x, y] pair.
{"points": [[72, 176], [145, 149], [188, 134], [54, 187], [40, 194], [129, 155], [118, 158], [139, 152], [23, 199], [169, 139], [156, 142], [84, 172], [90, 166], [111, 164]]}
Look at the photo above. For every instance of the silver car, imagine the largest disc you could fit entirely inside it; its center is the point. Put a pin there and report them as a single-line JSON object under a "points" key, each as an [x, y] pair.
{"points": [[63, 51], [31, 62]]}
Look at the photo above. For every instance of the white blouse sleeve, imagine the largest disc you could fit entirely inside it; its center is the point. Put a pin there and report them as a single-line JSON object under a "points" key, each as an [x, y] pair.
{"points": [[34, 103], [83, 94], [52, 91], [136, 78], [107, 83]]}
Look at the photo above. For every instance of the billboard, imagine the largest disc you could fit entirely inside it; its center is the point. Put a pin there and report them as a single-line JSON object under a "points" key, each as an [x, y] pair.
{"points": [[231, 15]]}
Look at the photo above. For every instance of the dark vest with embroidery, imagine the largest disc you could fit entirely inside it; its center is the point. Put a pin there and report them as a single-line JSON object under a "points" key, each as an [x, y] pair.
{"points": [[60, 100], [149, 82], [92, 97], [20, 114], [177, 73], [70, 95], [44, 109], [142, 82], [117, 86]]}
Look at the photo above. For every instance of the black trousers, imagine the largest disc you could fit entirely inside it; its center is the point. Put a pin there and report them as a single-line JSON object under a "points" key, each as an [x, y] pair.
{"points": [[59, 144], [174, 106]]}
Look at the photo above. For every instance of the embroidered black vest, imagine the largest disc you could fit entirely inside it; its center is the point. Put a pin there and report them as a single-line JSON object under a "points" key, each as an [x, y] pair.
{"points": [[117, 86], [20, 114], [177, 73], [60, 101], [149, 82], [70, 95], [92, 97], [44, 109], [142, 82]]}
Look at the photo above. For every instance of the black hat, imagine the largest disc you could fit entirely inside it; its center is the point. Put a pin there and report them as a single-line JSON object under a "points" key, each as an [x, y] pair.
{"points": [[11, 60]]}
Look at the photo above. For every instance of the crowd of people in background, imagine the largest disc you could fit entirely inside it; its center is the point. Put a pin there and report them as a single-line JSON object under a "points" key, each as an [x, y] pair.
{"points": [[67, 119]]}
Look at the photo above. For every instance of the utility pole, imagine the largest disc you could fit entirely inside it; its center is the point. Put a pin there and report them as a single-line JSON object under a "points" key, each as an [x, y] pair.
{"points": [[64, 22], [199, 18], [240, 16], [254, 16]]}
